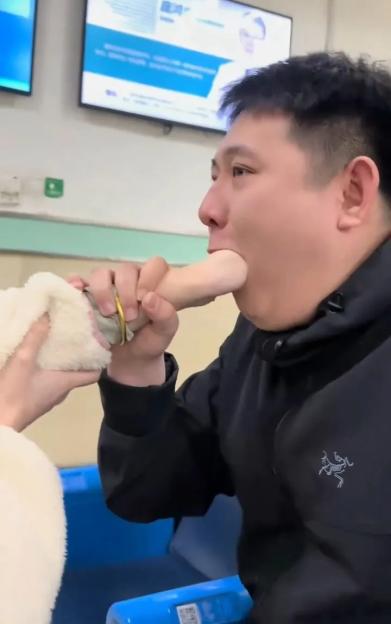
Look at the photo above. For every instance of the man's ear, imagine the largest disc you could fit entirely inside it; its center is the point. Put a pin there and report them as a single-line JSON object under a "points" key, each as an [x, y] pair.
{"points": [[360, 180]]}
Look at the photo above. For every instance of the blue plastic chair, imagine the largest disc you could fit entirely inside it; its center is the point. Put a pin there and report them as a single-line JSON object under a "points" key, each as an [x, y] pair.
{"points": [[107, 557], [223, 601], [111, 560]]}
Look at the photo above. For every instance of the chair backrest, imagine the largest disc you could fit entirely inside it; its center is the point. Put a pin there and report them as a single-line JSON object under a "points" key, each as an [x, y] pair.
{"points": [[209, 543], [96, 537]]}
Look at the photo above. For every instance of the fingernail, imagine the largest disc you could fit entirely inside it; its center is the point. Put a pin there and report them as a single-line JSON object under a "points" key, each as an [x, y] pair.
{"points": [[108, 308], [131, 314]]}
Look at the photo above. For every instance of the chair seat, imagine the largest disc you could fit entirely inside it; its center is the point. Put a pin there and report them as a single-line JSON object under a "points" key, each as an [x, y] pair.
{"points": [[86, 594]]}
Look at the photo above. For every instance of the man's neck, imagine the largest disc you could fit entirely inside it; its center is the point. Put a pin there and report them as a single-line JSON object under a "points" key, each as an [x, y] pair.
{"points": [[298, 304]]}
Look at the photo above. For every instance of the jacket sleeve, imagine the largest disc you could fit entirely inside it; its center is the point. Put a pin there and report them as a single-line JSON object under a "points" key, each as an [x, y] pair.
{"points": [[159, 452]]}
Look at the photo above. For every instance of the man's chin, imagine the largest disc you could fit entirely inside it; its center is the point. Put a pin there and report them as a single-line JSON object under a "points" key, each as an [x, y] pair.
{"points": [[262, 319], [247, 310]]}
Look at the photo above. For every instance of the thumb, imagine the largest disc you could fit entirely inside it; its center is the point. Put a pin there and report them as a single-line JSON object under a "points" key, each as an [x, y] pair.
{"points": [[31, 344]]}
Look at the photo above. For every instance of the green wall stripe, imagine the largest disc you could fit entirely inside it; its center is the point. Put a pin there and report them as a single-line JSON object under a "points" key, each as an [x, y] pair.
{"points": [[91, 241]]}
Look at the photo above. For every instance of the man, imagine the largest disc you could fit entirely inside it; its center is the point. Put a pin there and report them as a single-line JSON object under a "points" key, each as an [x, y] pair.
{"points": [[250, 54], [293, 417]]}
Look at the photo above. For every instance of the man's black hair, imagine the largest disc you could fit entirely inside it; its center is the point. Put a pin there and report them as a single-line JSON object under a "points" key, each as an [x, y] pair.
{"points": [[339, 108]]}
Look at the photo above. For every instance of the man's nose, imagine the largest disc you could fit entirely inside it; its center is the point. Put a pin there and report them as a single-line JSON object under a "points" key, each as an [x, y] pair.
{"points": [[213, 211]]}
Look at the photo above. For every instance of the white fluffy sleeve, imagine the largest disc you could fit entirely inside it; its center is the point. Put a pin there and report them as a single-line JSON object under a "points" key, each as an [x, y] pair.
{"points": [[73, 342], [32, 531]]}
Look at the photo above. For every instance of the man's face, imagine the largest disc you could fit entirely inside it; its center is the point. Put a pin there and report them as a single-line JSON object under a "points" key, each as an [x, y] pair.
{"points": [[263, 204], [251, 39]]}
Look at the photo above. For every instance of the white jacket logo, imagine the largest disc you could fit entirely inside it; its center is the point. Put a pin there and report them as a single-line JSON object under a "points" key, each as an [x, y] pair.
{"points": [[335, 468]]}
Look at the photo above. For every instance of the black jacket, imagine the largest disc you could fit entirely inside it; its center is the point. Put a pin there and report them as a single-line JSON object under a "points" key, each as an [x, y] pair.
{"points": [[298, 426]]}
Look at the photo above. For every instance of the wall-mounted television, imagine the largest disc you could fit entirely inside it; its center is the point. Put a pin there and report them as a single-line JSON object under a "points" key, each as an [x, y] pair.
{"points": [[17, 37], [170, 60]]}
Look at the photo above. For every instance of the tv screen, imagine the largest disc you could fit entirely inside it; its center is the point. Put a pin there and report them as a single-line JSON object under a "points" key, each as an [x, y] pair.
{"points": [[171, 60], [17, 32]]}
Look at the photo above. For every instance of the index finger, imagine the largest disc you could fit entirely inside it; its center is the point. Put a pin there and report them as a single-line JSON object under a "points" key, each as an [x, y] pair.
{"points": [[101, 287], [151, 274]]}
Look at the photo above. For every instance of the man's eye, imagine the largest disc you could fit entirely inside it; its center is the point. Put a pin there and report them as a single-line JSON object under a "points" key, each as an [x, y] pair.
{"points": [[239, 171]]}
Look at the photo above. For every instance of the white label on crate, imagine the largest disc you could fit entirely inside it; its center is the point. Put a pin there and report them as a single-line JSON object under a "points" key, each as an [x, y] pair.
{"points": [[189, 614]]}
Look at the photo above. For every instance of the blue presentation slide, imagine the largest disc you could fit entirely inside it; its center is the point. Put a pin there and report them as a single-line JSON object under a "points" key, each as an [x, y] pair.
{"points": [[172, 60], [16, 43], [165, 66]]}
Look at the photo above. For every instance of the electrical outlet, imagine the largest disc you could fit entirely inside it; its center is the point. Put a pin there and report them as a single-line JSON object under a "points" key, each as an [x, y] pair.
{"points": [[9, 190]]}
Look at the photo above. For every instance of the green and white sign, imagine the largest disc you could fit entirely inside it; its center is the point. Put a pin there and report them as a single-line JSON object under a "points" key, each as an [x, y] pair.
{"points": [[54, 187]]}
